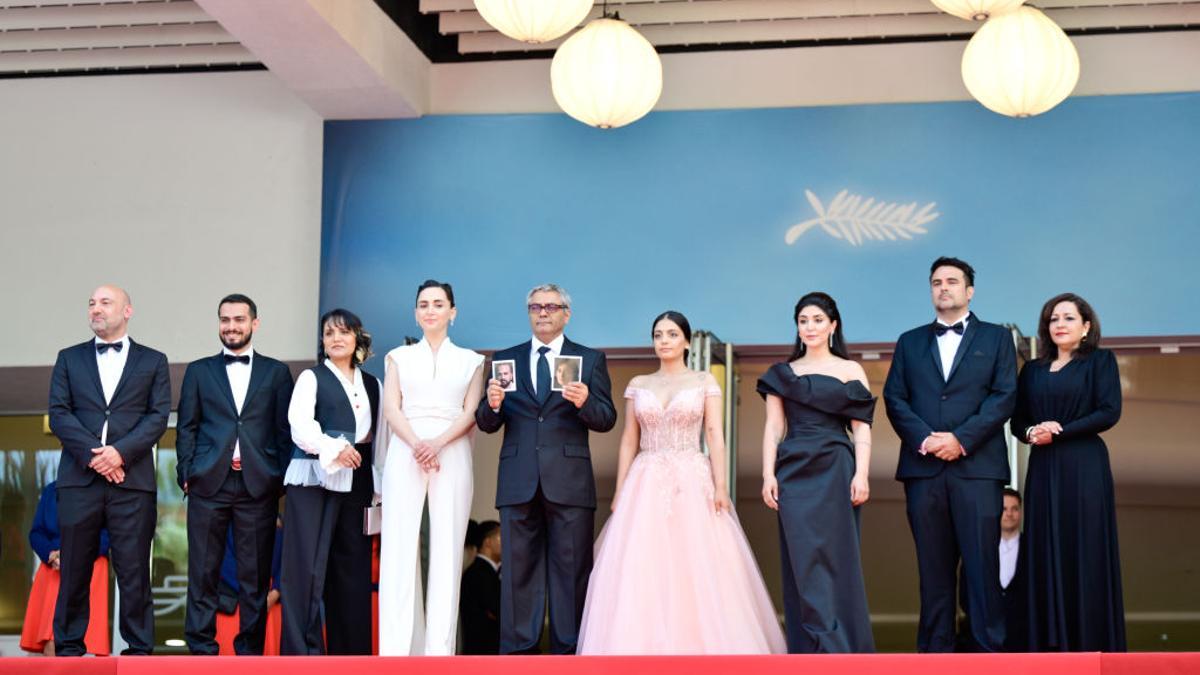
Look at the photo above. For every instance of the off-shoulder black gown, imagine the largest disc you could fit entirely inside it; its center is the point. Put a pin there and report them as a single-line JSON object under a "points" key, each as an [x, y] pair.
{"points": [[824, 600], [1069, 553]]}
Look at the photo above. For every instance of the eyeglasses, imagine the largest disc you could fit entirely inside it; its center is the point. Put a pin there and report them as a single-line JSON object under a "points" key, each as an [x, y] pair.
{"points": [[535, 308]]}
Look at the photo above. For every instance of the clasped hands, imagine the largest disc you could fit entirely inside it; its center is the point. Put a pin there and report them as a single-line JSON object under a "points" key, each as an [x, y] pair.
{"points": [[1043, 433], [107, 462], [425, 452], [943, 445]]}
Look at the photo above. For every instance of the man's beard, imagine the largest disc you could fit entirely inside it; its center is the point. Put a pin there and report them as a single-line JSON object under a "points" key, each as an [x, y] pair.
{"points": [[233, 344]]}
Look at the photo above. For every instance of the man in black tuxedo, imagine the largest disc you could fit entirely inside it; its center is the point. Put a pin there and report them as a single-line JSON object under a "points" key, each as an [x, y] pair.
{"points": [[232, 442], [479, 601], [546, 492], [951, 388], [109, 402]]}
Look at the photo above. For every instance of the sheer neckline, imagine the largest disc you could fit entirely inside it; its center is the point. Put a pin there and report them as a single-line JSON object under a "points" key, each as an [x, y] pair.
{"points": [[671, 399]]}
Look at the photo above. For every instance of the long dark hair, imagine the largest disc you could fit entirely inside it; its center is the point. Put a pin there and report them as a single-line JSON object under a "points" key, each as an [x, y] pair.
{"points": [[1048, 350], [431, 283], [826, 304], [679, 320], [350, 320]]}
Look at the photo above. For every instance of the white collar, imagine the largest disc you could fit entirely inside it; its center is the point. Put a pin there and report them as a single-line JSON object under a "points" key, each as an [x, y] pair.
{"points": [[341, 376], [555, 345]]}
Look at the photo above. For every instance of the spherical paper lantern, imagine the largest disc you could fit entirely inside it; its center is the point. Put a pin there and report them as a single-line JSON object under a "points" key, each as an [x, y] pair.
{"points": [[533, 21], [976, 10], [1020, 63], [606, 75]]}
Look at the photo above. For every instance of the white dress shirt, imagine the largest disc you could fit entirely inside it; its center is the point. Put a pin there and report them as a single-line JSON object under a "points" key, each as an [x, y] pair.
{"points": [[1008, 558], [239, 382], [111, 364], [309, 437], [555, 349], [948, 345]]}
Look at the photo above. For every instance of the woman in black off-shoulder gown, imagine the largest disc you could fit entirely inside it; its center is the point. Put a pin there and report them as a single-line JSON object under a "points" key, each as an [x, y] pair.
{"points": [[820, 479], [1069, 554]]}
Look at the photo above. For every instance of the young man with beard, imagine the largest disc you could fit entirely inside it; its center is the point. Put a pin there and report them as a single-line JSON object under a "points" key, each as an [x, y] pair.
{"points": [[233, 442]]}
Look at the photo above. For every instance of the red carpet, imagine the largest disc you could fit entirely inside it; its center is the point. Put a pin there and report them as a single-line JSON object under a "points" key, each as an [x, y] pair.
{"points": [[881, 664]]}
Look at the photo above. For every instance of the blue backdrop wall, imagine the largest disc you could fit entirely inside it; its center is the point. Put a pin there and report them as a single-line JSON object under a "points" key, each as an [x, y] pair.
{"points": [[695, 210]]}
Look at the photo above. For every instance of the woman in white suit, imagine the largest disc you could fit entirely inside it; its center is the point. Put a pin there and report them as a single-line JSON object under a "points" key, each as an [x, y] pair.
{"points": [[431, 390]]}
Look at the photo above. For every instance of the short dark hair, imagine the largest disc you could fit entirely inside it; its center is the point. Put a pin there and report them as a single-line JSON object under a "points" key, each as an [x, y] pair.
{"points": [[825, 303], [944, 261], [432, 283], [362, 339], [481, 532], [1048, 350], [1010, 492], [239, 299]]}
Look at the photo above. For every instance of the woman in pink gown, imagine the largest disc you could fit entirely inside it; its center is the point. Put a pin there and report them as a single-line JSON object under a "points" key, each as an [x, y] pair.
{"points": [[674, 573]]}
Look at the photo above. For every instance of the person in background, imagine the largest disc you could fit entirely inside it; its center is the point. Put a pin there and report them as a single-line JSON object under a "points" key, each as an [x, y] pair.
{"points": [[37, 635], [479, 602], [1070, 559]]}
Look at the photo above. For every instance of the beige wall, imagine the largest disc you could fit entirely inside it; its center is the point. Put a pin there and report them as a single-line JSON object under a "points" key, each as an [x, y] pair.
{"points": [[182, 188]]}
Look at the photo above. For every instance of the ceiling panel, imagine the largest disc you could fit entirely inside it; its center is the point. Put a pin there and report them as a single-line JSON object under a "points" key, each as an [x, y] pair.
{"points": [[65, 37], [683, 25]]}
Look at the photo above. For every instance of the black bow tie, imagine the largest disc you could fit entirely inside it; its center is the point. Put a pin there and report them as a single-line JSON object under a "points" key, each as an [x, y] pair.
{"points": [[102, 347], [941, 328], [234, 358]]}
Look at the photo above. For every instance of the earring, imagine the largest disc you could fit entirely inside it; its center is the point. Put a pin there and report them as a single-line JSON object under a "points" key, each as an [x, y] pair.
{"points": [[451, 322], [831, 340], [1084, 336]]}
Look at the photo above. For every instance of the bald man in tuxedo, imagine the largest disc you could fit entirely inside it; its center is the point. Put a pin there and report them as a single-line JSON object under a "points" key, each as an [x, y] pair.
{"points": [[109, 402]]}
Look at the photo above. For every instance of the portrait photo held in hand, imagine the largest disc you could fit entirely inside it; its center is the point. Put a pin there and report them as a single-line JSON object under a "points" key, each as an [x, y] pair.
{"points": [[504, 372], [567, 370]]}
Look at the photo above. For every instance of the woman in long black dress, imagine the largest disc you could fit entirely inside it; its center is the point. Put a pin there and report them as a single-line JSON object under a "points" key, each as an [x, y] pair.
{"points": [[1069, 553], [816, 478]]}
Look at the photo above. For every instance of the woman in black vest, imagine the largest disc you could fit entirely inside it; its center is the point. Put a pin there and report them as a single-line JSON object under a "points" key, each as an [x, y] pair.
{"points": [[326, 556]]}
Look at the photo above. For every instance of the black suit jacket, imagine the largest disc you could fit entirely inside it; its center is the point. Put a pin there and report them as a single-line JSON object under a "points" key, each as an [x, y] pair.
{"points": [[547, 444], [137, 414], [209, 425], [973, 404], [479, 607]]}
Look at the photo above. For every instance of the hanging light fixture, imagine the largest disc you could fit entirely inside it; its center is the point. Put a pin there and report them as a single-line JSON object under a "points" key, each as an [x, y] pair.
{"points": [[977, 10], [1020, 63], [606, 75], [533, 21]]}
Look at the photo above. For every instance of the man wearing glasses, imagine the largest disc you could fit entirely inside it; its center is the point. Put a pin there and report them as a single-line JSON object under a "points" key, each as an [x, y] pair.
{"points": [[546, 493]]}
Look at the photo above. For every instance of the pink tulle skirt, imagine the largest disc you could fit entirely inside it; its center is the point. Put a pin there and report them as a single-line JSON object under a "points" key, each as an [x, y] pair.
{"points": [[672, 576]]}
